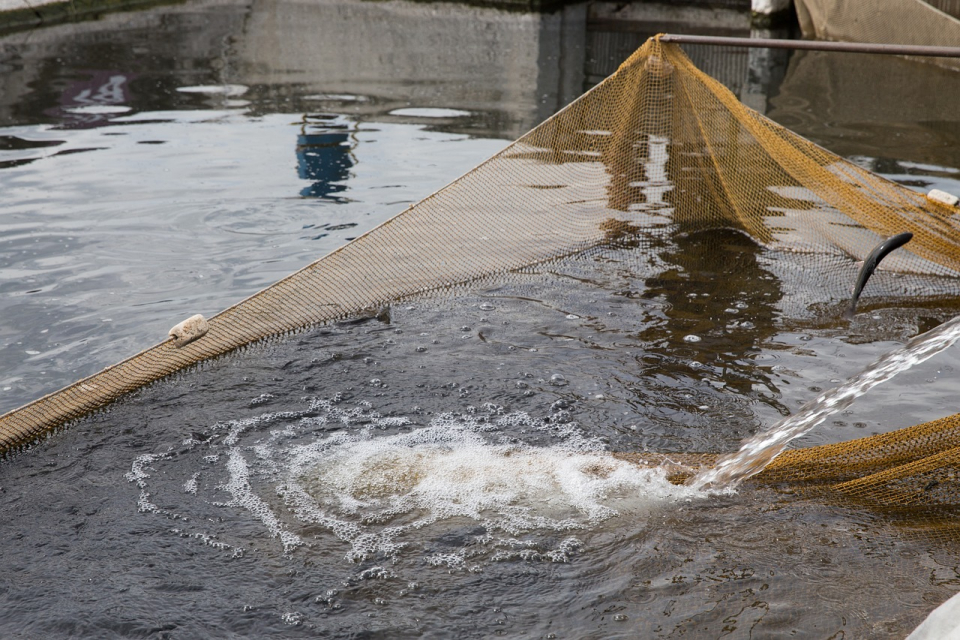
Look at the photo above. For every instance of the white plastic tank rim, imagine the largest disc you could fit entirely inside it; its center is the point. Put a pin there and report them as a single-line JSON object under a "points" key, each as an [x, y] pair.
{"points": [[943, 623]]}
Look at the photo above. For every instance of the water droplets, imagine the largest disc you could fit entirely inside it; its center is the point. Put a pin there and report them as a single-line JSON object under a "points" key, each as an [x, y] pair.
{"points": [[263, 398], [292, 618], [191, 485]]}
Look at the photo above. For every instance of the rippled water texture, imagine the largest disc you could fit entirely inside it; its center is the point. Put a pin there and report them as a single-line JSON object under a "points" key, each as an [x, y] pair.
{"points": [[447, 469]]}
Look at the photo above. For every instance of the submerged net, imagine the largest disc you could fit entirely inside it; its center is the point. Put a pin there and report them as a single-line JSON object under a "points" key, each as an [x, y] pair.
{"points": [[658, 145]]}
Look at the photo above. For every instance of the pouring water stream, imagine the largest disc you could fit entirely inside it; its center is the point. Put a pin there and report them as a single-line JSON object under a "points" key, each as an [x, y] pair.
{"points": [[758, 451]]}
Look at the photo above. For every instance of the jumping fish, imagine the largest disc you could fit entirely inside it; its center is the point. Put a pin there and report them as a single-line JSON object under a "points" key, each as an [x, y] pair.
{"points": [[870, 264]]}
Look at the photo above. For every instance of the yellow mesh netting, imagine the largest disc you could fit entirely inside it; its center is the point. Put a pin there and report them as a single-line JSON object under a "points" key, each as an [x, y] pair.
{"points": [[914, 468], [658, 143], [909, 471]]}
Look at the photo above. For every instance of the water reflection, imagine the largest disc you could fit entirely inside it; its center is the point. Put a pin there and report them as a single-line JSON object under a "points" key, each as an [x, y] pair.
{"points": [[511, 70], [93, 101], [718, 312], [873, 106], [324, 155]]}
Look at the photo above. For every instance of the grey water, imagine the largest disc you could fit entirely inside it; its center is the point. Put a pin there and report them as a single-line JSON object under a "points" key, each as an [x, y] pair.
{"points": [[760, 450], [449, 470]]}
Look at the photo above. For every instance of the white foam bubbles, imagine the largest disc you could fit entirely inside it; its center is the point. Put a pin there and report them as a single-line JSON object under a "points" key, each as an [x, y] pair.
{"points": [[461, 490], [447, 471], [244, 496], [139, 473]]}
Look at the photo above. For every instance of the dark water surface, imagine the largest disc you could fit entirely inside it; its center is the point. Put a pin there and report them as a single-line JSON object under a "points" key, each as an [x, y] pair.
{"points": [[445, 471]]}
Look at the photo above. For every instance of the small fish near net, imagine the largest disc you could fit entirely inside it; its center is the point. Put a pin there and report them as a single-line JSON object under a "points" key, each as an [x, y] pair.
{"points": [[658, 144]]}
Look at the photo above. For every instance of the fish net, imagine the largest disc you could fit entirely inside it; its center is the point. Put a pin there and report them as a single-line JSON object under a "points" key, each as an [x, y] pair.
{"points": [[657, 146]]}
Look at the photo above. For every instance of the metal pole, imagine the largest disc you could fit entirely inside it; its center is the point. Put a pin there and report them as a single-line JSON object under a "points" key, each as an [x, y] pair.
{"points": [[816, 45]]}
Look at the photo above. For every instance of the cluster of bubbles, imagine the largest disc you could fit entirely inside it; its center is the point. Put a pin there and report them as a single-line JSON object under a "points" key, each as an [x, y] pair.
{"points": [[381, 486]]}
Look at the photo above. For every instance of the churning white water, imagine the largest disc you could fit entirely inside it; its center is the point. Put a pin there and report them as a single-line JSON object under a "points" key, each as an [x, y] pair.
{"points": [[378, 484]]}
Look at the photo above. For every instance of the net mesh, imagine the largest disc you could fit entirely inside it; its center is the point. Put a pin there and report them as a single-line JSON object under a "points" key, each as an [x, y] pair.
{"points": [[657, 144]]}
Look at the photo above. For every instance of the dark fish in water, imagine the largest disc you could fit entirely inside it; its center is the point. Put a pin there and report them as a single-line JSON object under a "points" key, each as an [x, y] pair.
{"points": [[870, 264]]}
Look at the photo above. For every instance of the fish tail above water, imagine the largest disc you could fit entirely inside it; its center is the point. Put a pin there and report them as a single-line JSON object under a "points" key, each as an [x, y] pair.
{"points": [[870, 264]]}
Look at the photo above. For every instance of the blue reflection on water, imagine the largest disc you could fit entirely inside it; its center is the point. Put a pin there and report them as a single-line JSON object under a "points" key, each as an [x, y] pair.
{"points": [[324, 156]]}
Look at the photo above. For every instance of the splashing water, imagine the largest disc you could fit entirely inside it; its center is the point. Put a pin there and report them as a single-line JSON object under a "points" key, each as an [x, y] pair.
{"points": [[760, 450], [381, 485]]}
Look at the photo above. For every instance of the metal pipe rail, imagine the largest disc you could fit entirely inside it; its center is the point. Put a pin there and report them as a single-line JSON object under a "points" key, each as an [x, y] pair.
{"points": [[816, 45]]}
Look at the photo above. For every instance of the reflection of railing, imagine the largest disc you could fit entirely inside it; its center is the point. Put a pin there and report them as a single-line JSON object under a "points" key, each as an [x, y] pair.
{"points": [[849, 47]]}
